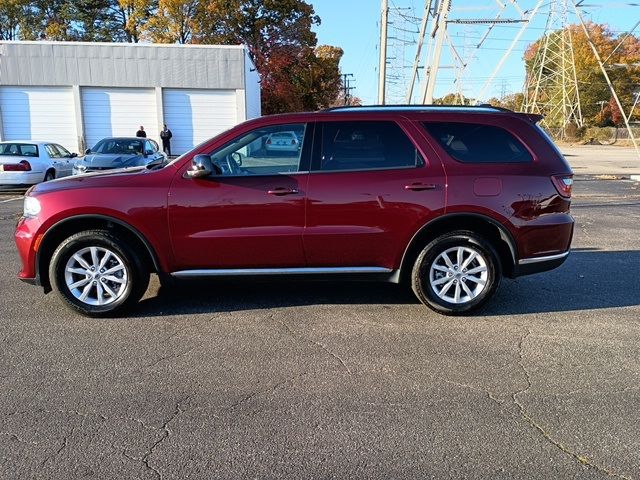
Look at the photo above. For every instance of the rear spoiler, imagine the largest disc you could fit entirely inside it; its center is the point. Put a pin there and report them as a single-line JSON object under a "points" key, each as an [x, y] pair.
{"points": [[532, 117]]}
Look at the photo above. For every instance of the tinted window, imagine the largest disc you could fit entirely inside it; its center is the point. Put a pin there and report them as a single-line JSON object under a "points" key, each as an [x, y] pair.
{"points": [[475, 143], [365, 146], [19, 149], [118, 146], [264, 151]]}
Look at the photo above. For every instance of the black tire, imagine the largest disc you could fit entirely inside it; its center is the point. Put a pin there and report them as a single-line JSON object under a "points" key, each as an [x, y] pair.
{"points": [[486, 257], [137, 274], [50, 175]]}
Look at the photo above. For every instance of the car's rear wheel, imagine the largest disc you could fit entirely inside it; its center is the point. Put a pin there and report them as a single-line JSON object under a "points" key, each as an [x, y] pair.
{"points": [[98, 274], [50, 175], [456, 273]]}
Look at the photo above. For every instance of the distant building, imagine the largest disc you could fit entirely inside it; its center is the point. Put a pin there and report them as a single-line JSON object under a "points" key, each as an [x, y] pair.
{"points": [[76, 93]]}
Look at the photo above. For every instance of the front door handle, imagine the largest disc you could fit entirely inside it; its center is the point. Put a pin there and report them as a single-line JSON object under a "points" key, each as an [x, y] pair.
{"points": [[282, 191], [418, 187]]}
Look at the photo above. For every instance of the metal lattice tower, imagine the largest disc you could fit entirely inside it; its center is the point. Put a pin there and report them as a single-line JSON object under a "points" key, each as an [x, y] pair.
{"points": [[402, 32], [551, 88]]}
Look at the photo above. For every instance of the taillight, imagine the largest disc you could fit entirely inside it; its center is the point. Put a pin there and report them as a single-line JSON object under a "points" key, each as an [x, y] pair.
{"points": [[563, 184], [23, 166]]}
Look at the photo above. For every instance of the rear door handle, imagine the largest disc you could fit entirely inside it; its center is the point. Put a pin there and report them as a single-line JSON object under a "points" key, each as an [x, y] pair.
{"points": [[282, 191], [418, 187]]}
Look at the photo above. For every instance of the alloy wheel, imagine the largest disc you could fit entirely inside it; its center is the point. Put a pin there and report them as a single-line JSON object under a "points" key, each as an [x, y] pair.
{"points": [[96, 276], [459, 274]]}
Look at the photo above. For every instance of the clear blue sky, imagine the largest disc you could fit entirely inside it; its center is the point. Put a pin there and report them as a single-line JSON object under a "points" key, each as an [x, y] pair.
{"points": [[354, 25]]}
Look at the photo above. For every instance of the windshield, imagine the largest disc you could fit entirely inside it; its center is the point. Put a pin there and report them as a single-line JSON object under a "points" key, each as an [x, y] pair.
{"points": [[19, 149], [119, 146]]}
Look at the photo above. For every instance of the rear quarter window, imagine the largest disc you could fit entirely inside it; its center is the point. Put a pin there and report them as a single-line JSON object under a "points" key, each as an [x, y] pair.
{"points": [[477, 143]]}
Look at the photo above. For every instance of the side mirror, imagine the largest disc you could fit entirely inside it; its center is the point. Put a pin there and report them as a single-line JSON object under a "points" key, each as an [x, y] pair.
{"points": [[201, 166], [73, 155], [87, 151]]}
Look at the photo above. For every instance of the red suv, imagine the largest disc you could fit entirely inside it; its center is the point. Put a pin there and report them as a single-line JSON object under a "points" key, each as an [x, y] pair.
{"points": [[448, 199]]}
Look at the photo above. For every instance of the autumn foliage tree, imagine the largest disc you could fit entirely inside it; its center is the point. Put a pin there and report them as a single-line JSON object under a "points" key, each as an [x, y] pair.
{"points": [[621, 54], [278, 33], [175, 21], [12, 14], [295, 73]]}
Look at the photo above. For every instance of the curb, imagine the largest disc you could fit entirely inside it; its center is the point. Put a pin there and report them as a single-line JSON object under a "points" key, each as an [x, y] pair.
{"points": [[635, 178]]}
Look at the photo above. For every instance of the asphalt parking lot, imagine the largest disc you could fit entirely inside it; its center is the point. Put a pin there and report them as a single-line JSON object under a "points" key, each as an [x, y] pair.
{"points": [[325, 380]]}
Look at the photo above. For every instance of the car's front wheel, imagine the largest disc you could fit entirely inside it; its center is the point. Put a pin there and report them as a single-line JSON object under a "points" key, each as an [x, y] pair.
{"points": [[456, 273], [97, 273]]}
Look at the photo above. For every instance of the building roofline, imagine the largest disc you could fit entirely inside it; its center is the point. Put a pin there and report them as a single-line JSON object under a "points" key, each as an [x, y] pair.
{"points": [[119, 44]]}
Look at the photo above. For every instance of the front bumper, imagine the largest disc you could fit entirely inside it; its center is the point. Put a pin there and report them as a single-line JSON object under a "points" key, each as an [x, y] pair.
{"points": [[27, 241]]}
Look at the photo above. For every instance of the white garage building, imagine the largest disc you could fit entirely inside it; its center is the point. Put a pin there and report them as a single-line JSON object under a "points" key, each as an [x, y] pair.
{"points": [[77, 93]]}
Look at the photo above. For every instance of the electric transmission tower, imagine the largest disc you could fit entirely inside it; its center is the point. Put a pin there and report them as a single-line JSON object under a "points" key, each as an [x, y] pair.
{"points": [[402, 31], [551, 87]]}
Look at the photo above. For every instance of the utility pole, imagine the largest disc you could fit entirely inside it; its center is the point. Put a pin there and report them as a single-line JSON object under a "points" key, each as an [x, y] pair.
{"points": [[382, 69], [346, 87]]}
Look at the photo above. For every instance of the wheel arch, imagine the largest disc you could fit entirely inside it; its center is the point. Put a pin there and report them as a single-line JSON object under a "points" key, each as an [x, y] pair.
{"points": [[489, 228], [77, 223]]}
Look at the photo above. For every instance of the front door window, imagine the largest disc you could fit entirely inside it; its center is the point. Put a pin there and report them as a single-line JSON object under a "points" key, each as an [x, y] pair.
{"points": [[266, 151]]}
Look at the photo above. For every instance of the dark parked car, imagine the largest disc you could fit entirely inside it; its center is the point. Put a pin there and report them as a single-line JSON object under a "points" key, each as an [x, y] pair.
{"points": [[110, 153], [448, 199]]}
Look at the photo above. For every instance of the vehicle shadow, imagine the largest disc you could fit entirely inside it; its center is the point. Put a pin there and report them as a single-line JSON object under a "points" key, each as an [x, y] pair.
{"points": [[589, 279]]}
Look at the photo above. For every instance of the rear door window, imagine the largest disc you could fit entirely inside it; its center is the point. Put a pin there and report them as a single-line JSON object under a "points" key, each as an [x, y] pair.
{"points": [[367, 145], [477, 143]]}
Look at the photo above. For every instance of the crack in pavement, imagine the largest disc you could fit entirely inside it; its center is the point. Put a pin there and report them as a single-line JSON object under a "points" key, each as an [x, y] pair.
{"points": [[474, 388], [174, 355], [583, 460], [175, 334], [321, 345], [272, 388], [166, 433]]}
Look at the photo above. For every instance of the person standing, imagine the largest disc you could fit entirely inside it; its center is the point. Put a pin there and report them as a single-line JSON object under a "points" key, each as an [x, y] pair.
{"points": [[165, 136], [141, 133]]}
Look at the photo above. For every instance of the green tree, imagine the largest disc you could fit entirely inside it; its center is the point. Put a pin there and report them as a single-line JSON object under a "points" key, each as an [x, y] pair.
{"points": [[46, 19], [92, 20]]}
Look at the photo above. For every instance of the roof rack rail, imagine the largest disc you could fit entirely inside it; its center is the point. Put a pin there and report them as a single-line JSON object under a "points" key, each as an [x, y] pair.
{"points": [[414, 107]]}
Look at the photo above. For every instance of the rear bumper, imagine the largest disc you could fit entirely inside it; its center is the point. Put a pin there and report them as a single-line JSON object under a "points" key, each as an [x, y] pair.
{"points": [[528, 266], [21, 178]]}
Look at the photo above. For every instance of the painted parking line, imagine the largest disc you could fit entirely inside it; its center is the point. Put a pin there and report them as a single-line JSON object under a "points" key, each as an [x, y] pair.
{"points": [[10, 200]]}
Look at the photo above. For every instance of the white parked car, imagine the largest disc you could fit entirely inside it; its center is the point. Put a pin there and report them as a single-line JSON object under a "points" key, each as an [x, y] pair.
{"points": [[28, 163], [282, 142]]}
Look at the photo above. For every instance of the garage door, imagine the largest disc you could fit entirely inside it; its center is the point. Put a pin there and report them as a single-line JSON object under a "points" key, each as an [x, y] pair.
{"points": [[194, 116], [118, 112], [39, 113]]}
